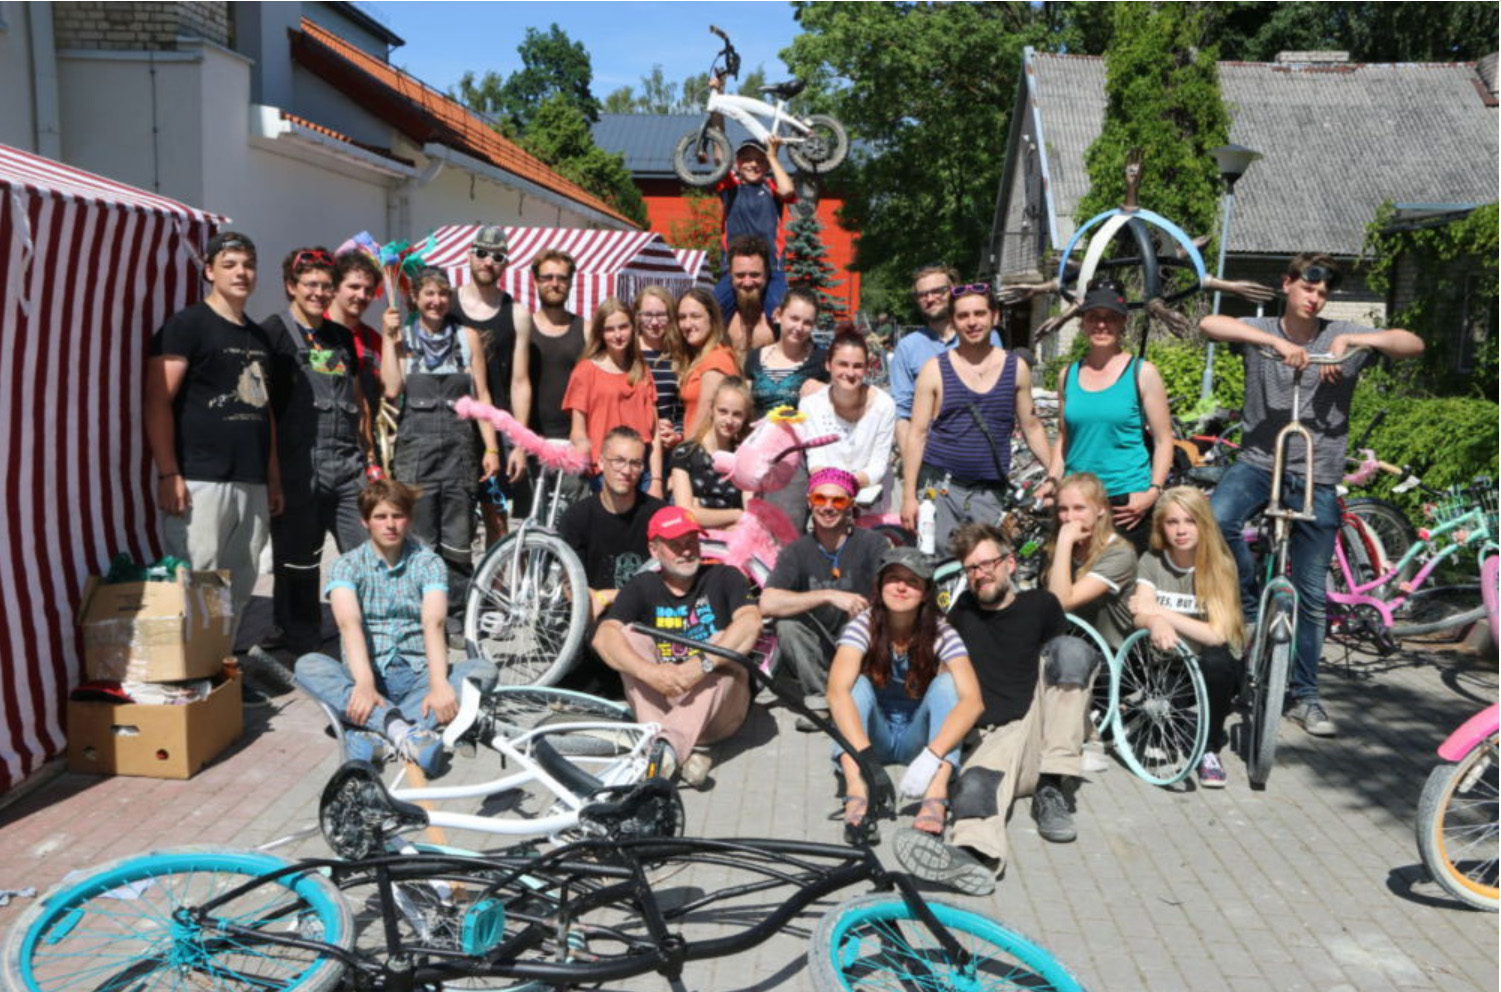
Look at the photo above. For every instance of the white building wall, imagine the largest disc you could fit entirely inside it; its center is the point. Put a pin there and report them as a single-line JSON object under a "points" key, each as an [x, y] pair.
{"points": [[17, 112]]}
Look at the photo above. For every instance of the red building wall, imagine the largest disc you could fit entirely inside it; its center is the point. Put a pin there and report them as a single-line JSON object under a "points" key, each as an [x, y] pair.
{"points": [[667, 207]]}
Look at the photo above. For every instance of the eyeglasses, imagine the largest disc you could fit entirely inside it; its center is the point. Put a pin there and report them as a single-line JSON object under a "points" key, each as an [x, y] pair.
{"points": [[496, 255], [972, 289], [985, 566], [553, 277], [820, 500], [626, 464], [1316, 274], [315, 257], [923, 294], [653, 318]]}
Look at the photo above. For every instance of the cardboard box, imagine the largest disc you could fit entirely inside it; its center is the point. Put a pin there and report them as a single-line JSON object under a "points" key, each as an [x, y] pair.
{"points": [[157, 631], [153, 741]]}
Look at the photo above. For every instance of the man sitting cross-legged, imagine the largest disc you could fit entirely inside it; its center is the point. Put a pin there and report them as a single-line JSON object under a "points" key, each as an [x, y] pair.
{"points": [[1035, 685], [390, 599]]}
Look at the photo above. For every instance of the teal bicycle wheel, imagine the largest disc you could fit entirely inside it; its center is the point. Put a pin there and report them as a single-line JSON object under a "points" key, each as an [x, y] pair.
{"points": [[1162, 710], [130, 925], [876, 942], [1105, 691]]}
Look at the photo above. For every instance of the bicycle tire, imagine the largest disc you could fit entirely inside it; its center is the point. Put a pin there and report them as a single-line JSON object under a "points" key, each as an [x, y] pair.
{"points": [[878, 939], [1162, 711], [533, 637], [716, 164], [1457, 826], [120, 916], [825, 148], [1106, 686], [1392, 531], [1271, 660], [515, 710], [1436, 610]]}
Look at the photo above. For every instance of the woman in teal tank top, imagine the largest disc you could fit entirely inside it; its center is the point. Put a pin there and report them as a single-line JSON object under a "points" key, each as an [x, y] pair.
{"points": [[1105, 403]]}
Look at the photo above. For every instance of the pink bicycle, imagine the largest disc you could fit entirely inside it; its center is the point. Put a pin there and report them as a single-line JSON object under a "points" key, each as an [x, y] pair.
{"points": [[1457, 814]]}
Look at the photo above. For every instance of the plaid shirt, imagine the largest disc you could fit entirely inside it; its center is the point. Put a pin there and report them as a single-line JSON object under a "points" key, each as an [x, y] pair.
{"points": [[390, 598]]}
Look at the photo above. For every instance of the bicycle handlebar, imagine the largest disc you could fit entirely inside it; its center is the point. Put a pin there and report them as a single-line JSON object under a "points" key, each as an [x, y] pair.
{"points": [[561, 458], [720, 32], [1315, 358]]}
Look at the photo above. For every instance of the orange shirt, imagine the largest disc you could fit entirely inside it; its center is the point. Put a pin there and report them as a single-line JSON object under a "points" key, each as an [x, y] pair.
{"points": [[721, 359], [608, 400]]}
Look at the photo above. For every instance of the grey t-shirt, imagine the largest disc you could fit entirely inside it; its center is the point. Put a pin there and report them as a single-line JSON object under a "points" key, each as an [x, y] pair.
{"points": [[804, 566], [1110, 614], [1324, 407], [1173, 588]]}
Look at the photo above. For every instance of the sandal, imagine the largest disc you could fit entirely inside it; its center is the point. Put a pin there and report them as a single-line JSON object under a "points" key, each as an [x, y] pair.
{"points": [[930, 822], [856, 830]]}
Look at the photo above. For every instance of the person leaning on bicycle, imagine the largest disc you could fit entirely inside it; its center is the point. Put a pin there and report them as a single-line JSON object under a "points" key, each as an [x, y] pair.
{"points": [[1325, 411]]}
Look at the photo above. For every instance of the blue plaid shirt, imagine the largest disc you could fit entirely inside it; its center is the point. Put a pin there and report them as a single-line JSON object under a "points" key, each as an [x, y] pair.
{"points": [[390, 598]]}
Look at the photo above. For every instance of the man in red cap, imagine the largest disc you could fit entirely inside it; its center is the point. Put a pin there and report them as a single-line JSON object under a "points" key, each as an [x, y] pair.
{"points": [[698, 698]]}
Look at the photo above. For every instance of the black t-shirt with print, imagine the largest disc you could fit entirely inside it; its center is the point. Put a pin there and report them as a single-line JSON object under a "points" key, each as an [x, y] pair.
{"points": [[710, 488], [611, 545], [1004, 646], [717, 592], [223, 408]]}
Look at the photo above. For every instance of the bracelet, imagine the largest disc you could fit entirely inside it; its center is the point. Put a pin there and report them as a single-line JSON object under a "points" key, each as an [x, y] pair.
{"points": [[1157, 486], [492, 451]]}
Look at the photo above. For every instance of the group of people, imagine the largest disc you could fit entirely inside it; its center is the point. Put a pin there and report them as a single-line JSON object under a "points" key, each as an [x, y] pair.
{"points": [[266, 429]]}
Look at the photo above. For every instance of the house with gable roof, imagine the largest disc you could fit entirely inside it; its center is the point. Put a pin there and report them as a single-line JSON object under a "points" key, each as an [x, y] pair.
{"points": [[1338, 140]]}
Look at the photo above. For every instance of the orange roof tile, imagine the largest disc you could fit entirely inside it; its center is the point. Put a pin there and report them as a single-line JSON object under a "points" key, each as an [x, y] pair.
{"points": [[425, 115], [337, 136]]}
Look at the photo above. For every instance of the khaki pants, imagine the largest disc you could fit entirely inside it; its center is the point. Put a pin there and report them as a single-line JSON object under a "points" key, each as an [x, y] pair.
{"points": [[226, 527], [1008, 760], [709, 712]]}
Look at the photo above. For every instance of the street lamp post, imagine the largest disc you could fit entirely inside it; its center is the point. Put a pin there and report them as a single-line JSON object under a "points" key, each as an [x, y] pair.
{"points": [[1232, 161]]}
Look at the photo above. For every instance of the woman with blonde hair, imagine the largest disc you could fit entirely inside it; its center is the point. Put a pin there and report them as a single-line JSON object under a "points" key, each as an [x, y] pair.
{"points": [[706, 359], [661, 350], [1188, 592], [610, 387], [1093, 569], [714, 500]]}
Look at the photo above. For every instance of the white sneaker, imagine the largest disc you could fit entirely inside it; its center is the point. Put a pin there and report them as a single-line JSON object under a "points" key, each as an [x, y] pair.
{"points": [[696, 770]]}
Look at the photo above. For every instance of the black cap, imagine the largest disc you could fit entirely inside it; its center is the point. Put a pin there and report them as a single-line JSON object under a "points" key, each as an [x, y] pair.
{"points": [[229, 241], [1105, 298]]}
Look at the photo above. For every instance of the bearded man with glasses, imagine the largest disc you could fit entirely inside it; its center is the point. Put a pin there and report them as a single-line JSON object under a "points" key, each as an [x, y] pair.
{"points": [[820, 581]]}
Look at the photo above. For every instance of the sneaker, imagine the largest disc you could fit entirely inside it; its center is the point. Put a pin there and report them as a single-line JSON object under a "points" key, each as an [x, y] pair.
{"points": [[252, 698], [664, 761], [423, 748], [930, 859], [1211, 773], [453, 627], [695, 771], [1311, 714], [362, 745], [1093, 759], [1054, 822]]}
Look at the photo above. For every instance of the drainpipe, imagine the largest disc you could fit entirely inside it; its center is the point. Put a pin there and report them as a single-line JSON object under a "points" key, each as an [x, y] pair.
{"points": [[44, 102], [399, 201]]}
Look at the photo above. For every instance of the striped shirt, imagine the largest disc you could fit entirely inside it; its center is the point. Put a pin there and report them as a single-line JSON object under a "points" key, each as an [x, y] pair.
{"points": [[955, 443], [390, 598], [669, 405], [892, 698]]}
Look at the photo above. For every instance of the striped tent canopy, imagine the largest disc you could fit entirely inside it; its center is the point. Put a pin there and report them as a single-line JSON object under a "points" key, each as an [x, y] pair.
{"points": [[92, 268], [610, 263], [695, 261]]}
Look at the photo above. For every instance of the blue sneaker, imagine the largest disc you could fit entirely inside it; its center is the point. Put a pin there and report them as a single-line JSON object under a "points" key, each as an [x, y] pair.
{"points": [[1211, 773], [424, 748]]}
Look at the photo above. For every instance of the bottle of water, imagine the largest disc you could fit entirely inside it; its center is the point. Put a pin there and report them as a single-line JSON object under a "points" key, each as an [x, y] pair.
{"points": [[927, 525]]}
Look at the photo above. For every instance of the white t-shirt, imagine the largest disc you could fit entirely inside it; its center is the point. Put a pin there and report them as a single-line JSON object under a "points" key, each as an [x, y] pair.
{"points": [[864, 445]]}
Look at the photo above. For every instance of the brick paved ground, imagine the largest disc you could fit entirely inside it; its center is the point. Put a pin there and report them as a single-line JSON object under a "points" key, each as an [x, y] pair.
{"points": [[1313, 884]]}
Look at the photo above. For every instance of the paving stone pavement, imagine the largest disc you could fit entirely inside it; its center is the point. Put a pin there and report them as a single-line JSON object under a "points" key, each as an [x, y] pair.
{"points": [[1313, 884]]}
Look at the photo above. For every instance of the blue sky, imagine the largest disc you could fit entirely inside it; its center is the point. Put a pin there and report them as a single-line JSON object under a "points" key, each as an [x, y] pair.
{"points": [[624, 40]]}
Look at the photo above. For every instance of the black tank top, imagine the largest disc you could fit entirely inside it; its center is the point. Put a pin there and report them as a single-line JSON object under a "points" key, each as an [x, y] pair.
{"points": [[499, 336], [552, 362]]}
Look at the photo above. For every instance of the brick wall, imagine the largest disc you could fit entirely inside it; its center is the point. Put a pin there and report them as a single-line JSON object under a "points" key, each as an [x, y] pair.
{"points": [[138, 26]]}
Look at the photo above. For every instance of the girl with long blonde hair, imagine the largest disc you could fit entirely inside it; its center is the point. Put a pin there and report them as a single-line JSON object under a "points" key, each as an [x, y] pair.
{"points": [[1093, 569], [694, 483], [1188, 592]]}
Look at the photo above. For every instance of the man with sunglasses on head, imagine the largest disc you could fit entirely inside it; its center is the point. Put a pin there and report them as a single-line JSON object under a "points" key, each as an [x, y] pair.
{"points": [[1325, 410], [483, 304], [547, 349], [967, 401], [323, 433], [820, 581]]}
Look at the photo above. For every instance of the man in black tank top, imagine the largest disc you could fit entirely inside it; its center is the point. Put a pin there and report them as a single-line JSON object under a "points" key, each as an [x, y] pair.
{"points": [[553, 343], [482, 304]]}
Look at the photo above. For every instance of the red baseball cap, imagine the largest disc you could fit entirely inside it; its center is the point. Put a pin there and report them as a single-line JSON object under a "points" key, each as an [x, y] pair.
{"points": [[671, 523]]}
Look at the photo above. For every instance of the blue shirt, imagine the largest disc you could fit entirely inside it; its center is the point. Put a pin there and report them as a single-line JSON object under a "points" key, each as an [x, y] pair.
{"points": [[390, 598], [912, 353]]}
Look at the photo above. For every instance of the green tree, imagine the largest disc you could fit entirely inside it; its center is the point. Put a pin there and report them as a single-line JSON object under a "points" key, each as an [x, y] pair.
{"points": [[751, 82], [702, 228], [807, 263], [621, 101], [484, 94], [552, 66], [1370, 32], [559, 135], [1163, 99]]}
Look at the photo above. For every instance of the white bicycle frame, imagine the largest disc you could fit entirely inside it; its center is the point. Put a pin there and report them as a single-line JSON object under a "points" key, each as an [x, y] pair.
{"points": [[747, 110]]}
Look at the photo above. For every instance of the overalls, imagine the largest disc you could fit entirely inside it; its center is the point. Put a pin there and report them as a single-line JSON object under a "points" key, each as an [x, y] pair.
{"points": [[322, 464], [437, 451]]}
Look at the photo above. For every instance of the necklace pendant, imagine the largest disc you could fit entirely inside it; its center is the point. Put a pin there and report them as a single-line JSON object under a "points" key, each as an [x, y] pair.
{"points": [[834, 572]]}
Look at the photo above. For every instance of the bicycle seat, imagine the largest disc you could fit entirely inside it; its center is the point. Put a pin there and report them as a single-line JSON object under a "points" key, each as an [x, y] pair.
{"points": [[787, 90], [356, 814], [651, 808]]}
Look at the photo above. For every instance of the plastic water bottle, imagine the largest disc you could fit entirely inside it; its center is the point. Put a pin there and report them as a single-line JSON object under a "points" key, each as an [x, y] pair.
{"points": [[927, 526]]}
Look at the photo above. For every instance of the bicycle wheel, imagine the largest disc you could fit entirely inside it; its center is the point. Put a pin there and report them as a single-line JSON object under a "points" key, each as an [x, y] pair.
{"points": [[876, 942], [702, 163], [527, 610], [825, 147], [122, 926], [1437, 610], [1162, 710], [514, 710], [1390, 529], [1456, 828], [1271, 659], [1106, 677]]}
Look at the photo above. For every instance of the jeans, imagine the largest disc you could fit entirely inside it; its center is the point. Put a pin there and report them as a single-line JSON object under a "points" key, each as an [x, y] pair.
{"points": [[1242, 491], [898, 742], [402, 687]]}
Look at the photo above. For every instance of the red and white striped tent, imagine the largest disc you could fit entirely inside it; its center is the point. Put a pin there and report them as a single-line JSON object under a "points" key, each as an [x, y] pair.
{"points": [[92, 268], [610, 263], [695, 262]]}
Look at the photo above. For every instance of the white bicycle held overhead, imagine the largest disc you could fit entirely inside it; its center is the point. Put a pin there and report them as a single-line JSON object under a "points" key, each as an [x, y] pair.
{"points": [[816, 144]]}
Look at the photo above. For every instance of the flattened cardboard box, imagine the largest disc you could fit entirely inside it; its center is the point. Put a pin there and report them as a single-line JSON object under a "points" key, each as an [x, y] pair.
{"points": [[157, 631], [150, 740]]}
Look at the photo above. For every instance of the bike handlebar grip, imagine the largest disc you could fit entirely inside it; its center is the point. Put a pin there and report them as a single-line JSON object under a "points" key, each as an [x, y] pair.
{"points": [[1389, 468], [715, 30]]}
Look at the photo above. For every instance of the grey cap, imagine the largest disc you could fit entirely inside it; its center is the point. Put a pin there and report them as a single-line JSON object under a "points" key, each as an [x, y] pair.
{"points": [[911, 559], [491, 236]]}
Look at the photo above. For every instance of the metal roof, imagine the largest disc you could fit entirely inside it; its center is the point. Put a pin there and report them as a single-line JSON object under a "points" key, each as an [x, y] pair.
{"points": [[647, 140]]}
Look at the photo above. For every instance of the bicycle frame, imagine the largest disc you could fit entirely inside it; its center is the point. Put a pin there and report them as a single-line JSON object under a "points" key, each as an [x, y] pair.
{"points": [[747, 111]]}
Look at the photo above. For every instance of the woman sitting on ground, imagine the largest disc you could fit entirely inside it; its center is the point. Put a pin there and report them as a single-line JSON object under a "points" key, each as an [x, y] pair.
{"points": [[714, 500], [1093, 569], [902, 688], [1188, 592]]}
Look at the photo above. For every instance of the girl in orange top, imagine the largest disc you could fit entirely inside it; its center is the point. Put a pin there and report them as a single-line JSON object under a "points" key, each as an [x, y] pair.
{"points": [[707, 359], [611, 387]]}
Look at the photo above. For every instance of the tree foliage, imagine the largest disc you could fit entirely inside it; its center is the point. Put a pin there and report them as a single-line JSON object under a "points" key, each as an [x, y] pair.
{"points": [[657, 95], [1370, 32], [559, 135], [808, 267], [1163, 98], [702, 228]]}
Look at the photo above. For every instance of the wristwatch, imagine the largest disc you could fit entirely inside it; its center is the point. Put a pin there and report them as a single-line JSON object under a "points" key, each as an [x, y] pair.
{"points": [[706, 663]]}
